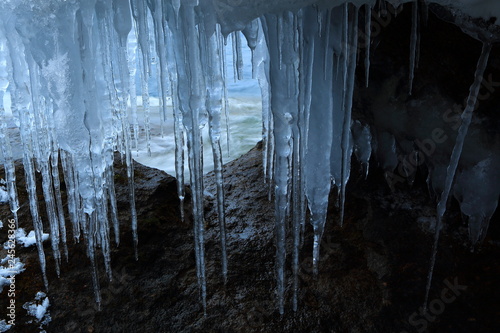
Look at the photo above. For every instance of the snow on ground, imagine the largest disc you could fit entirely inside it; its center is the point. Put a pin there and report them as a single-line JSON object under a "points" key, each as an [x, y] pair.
{"points": [[3, 326], [6, 273], [39, 308], [28, 240]]}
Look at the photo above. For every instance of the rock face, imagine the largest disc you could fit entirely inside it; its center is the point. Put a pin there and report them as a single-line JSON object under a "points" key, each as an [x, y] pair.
{"points": [[372, 272]]}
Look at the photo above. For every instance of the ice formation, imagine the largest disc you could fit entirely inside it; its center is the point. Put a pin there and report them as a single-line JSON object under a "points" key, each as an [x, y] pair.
{"points": [[39, 308], [9, 267], [70, 68], [26, 240]]}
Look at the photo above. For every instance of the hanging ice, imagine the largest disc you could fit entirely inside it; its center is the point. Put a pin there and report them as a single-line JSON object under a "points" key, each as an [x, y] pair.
{"points": [[455, 157], [71, 69], [414, 42]]}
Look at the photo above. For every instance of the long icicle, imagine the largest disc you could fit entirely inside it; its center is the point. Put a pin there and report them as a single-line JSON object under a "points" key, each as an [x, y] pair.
{"points": [[346, 132], [368, 34], [215, 102], [5, 145], [20, 107], [455, 157], [413, 43]]}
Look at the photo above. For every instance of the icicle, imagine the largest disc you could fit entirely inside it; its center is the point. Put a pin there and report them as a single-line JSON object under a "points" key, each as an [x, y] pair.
{"points": [[43, 150], [305, 96], [146, 108], [132, 51], [141, 18], [6, 150], [178, 126], [299, 140], [123, 23], [413, 43], [425, 11], [319, 140], [298, 167], [260, 67], [319, 19], [54, 159], [91, 223], [368, 34], [191, 92], [176, 4], [455, 156], [215, 100], [5, 145], [21, 101], [251, 33], [158, 20], [237, 56], [382, 7], [346, 132], [239, 63], [222, 46], [327, 28], [284, 61], [73, 200], [340, 64]]}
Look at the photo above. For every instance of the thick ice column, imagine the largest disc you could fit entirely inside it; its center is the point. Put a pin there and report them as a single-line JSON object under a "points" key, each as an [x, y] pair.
{"points": [[192, 102], [178, 124], [320, 135], [300, 150], [122, 22], [140, 14], [132, 63], [260, 65], [284, 59], [42, 143], [5, 145], [340, 61], [110, 115], [159, 33], [21, 101], [213, 73]]}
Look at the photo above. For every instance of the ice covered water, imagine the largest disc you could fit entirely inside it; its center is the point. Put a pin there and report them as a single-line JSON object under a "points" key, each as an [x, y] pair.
{"points": [[245, 110]]}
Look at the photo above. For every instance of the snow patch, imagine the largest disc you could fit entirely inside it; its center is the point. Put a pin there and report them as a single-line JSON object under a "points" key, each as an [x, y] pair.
{"points": [[4, 195], [4, 327], [39, 309], [9, 271], [26, 240]]}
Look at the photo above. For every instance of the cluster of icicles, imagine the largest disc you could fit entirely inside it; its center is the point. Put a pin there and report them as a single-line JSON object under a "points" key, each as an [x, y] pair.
{"points": [[71, 75]]}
